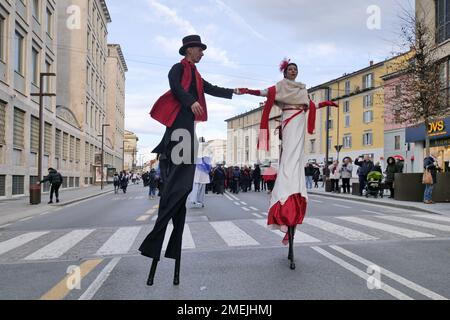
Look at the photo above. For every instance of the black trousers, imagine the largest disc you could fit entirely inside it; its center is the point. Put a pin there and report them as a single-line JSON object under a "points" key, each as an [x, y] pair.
{"points": [[346, 185], [362, 184], [390, 185], [54, 189], [257, 183], [270, 185]]}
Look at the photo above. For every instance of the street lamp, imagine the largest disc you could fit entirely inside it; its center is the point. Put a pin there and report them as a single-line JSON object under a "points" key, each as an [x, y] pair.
{"points": [[41, 96], [103, 143]]}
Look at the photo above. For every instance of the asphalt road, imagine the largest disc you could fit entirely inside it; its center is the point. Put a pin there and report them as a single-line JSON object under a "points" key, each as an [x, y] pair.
{"points": [[345, 250]]}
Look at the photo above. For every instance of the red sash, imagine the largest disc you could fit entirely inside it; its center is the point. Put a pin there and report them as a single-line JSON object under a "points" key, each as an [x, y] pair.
{"points": [[166, 109]]}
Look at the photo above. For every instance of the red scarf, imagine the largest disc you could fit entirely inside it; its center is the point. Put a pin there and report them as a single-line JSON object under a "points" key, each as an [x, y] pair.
{"points": [[263, 140], [167, 107]]}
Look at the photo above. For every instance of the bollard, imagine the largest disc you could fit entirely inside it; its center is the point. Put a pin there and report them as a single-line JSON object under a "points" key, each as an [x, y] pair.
{"points": [[35, 194]]}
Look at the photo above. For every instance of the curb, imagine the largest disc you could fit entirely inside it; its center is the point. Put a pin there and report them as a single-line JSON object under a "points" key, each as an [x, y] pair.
{"points": [[82, 198], [400, 206]]}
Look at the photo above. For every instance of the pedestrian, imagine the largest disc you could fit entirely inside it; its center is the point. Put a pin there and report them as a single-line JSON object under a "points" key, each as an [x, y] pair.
{"points": [[391, 170], [56, 180], [365, 167], [219, 180], [309, 174], [431, 166], [325, 174], [236, 175], [377, 167], [270, 176], [256, 175], [152, 184], [201, 180], [346, 174], [335, 176], [289, 195], [316, 176], [124, 181], [245, 179], [179, 110], [116, 182]]}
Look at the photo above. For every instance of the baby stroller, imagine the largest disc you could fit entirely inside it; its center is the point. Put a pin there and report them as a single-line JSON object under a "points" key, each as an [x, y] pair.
{"points": [[374, 184]]}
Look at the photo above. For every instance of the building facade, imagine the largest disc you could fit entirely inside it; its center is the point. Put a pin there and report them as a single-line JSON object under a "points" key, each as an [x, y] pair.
{"points": [[216, 150], [130, 151]]}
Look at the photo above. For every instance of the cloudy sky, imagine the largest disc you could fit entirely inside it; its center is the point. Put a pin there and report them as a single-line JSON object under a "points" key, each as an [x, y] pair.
{"points": [[246, 41]]}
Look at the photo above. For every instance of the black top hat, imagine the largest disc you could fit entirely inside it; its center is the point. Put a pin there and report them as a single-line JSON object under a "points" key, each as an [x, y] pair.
{"points": [[191, 41]]}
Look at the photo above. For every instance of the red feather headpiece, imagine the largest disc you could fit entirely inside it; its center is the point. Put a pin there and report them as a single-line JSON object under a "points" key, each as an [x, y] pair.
{"points": [[284, 64]]}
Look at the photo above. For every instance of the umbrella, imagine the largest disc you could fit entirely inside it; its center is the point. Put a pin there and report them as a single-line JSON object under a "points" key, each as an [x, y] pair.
{"points": [[399, 158]]}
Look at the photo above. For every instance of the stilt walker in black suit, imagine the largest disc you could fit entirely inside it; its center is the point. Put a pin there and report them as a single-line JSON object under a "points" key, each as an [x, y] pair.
{"points": [[178, 109]]}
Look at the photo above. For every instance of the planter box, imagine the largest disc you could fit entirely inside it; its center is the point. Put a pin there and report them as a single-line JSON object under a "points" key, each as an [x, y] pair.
{"points": [[409, 187]]}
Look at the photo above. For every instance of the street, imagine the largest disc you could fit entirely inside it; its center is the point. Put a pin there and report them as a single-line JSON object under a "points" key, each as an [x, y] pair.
{"points": [[341, 252]]}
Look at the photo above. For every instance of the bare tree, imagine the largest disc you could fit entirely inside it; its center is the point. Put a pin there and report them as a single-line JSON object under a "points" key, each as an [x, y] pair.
{"points": [[423, 94]]}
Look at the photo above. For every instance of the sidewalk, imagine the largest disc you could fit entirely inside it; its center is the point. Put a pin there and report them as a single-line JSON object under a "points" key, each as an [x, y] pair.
{"points": [[12, 210], [438, 208]]}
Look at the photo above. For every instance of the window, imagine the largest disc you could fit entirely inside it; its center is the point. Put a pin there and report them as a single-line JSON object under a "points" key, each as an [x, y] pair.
{"points": [[397, 142], [65, 146], [368, 139], [34, 135], [442, 20], [58, 143], [347, 88], [19, 128], [330, 124], [2, 123], [347, 120], [368, 81], [47, 139], [347, 142], [368, 101], [368, 116], [2, 185], [72, 148], [2, 38], [47, 80], [36, 9], [35, 65], [49, 22], [347, 107], [18, 187], [78, 150], [86, 153], [312, 145], [330, 142], [19, 58]]}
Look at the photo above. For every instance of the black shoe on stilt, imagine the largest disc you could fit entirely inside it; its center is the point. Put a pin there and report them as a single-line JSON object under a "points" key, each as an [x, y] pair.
{"points": [[291, 247], [151, 275], [176, 275]]}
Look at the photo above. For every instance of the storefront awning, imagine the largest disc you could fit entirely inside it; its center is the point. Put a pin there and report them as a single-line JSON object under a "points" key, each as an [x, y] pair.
{"points": [[437, 130]]}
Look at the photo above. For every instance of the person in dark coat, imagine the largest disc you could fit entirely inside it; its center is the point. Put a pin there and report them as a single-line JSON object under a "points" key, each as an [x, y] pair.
{"points": [[256, 175], [152, 183], [309, 174], [316, 176], [365, 167], [431, 164], [123, 178], [219, 179], [56, 180], [245, 179], [236, 180], [390, 172], [178, 109]]}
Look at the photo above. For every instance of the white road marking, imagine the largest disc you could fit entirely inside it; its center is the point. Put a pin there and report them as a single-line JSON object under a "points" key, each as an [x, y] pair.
{"points": [[257, 215], [143, 218], [60, 246], [167, 236], [5, 225], [233, 235], [341, 231], [388, 289], [154, 218], [387, 228], [253, 208], [242, 202], [98, 282], [26, 219], [316, 201], [234, 197], [228, 197], [374, 212], [433, 217], [120, 242], [414, 286], [423, 224], [237, 203], [245, 209], [151, 211], [300, 237], [44, 213], [19, 241], [341, 206], [188, 240], [264, 213]]}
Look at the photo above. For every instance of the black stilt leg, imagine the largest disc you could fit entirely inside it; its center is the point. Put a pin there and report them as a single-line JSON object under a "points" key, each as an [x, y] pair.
{"points": [[151, 275], [176, 275], [291, 247]]}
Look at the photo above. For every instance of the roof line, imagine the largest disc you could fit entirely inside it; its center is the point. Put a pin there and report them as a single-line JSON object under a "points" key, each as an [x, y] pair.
{"points": [[120, 53], [106, 11]]}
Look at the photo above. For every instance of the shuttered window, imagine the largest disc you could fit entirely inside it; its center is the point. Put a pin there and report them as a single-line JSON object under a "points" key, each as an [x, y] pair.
{"points": [[65, 146], [86, 153], [72, 148], [48, 139], [18, 185], [34, 134], [92, 153], [2, 123], [78, 150], [19, 128], [58, 143], [2, 186]]}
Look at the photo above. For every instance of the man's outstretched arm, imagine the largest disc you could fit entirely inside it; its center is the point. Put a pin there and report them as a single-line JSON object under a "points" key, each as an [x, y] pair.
{"points": [[217, 91]]}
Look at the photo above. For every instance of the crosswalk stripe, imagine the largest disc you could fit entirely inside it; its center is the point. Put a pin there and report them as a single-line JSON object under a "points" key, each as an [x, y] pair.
{"points": [[233, 235], [245, 209], [341, 206], [19, 241], [433, 217], [423, 224], [257, 215], [151, 211], [341, 231], [228, 197], [242, 202], [316, 201], [234, 197], [167, 236], [387, 228], [264, 213], [120, 242], [253, 208], [300, 237], [188, 240], [237, 203], [142, 218], [60, 246]]}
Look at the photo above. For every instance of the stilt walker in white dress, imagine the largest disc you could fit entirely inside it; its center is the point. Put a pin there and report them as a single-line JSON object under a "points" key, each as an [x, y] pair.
{"points": [[289, 197], [201, 179]]}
